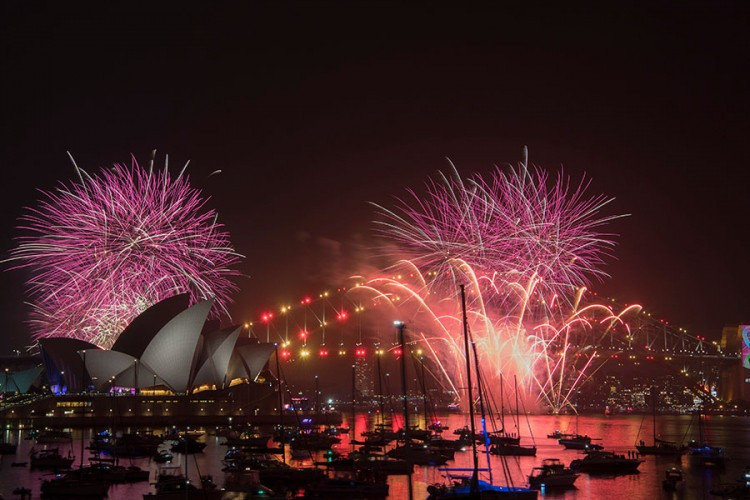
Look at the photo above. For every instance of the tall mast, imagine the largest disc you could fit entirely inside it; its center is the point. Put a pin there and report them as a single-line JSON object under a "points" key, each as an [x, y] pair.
{"points": [[480, 390], [475, 476], [405, 406], [354, 404], [281, 401], [424, 393], [83, 412], [502, 404], [653, 406], [518, 418], [380, 391], [401, 326]]}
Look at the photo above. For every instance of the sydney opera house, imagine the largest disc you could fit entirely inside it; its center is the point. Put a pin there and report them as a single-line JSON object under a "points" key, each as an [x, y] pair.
{"points": [[172, 358]]}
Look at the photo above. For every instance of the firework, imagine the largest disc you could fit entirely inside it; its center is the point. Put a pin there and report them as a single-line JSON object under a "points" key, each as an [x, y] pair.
{"points": [[525, 246], [551, 353], [518, 223], [102, 249]]}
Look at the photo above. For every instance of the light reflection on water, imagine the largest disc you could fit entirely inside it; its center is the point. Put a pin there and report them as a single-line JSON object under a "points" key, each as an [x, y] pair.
{"points": [[618, 433]]}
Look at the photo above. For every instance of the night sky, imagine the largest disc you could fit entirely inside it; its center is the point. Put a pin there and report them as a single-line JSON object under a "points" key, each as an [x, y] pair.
{"points": [[313, 110]]}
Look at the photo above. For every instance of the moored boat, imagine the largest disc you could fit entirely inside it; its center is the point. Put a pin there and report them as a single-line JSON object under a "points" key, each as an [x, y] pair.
{"points": [[51, 436], [552, 474], [50, 459], [672, 478], [513, 450], [347, 488], [706, 454], [462, 489], [73, 487], [660, 447], [606, 462], [578, 442]]}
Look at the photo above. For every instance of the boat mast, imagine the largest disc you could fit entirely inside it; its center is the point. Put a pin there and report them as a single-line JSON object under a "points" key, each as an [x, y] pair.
{"points": [[354, 404], [518, 417], [502, 405], [83, 411], [281, 402], [480, 390], [401, 326], [380, 393], [424, 392], [475, 476], [405, 406], [653, 407]]}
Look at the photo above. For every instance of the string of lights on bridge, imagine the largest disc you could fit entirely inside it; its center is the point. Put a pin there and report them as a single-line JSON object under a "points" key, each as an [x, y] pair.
{"points": [[330, 317]]}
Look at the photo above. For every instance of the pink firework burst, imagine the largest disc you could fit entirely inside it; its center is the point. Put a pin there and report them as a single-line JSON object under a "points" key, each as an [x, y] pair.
{"points": [[102, 249], [517, 223]]}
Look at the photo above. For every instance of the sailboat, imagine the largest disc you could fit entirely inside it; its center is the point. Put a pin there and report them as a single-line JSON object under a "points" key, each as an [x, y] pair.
{"points": [[411, 451], [660, 446], [509, 448], [472, 486], [702, 452]]}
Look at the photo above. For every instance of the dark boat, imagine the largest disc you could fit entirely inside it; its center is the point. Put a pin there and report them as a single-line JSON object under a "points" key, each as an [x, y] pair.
{"points": [[672, 478], [50, 459], [660, 447], [273, 472], [127, 445], [437, 426], [73, 487], [503, 438], [706, 455], [179, 488], [446, 444], [462, 489], [552, 474], [606, 462], [419, 454], [346, 488], [577, 442], [313, 441], [110, 473], [415, 433], [53, 437], [559, 435], [248, 440], [382, 464], [163, 457], [513, 450], [187, 445]]}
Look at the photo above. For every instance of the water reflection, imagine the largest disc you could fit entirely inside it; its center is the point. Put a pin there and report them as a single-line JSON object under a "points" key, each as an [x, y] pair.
{"points": [[618, 433]]}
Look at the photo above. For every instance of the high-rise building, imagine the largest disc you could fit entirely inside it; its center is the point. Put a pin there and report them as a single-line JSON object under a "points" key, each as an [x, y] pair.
{"points": [[363, 376]]}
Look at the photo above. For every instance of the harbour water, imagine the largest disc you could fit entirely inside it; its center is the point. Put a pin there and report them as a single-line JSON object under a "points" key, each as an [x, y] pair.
{"points": [[618, 433]]}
